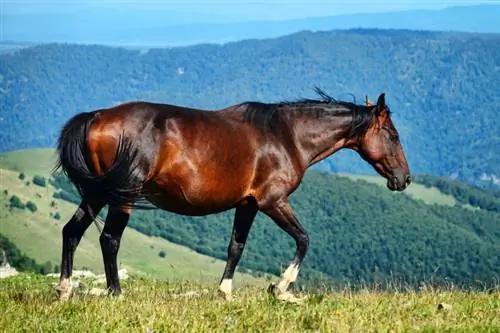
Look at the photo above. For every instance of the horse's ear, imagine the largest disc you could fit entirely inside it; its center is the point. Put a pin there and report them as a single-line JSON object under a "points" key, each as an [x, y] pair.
{"points": [[381, 104]]}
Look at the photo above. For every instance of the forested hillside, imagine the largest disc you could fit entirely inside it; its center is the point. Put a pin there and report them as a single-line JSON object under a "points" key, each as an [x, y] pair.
{"points": [[442, 87], [487, 200], [360, 233]]}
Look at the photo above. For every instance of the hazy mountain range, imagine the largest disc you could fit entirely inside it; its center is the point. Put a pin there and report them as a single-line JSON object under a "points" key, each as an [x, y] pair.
{"points": [[163, 27]]}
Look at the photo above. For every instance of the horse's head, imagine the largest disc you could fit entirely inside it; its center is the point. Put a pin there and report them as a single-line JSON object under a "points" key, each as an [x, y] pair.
{"points": [[381, 148]]}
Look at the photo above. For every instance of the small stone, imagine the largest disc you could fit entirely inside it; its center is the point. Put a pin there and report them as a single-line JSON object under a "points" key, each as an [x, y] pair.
{"points": [[97, 292], [190, 294], [444, 306]]}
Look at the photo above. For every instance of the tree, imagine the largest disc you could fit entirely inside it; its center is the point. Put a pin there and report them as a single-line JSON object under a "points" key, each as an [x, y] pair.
{"points": [[40, 181], [15, 202], [31, 206]]}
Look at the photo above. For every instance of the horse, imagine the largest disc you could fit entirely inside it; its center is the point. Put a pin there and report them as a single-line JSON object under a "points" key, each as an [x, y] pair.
{"points": [[249, 157]]}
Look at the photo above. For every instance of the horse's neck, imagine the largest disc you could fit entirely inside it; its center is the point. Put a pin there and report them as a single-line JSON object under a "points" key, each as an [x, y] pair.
{"points": [[316, 138]]}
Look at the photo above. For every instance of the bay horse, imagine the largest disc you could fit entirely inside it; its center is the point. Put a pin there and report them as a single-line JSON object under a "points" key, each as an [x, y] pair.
{"points": [[250, 157]]}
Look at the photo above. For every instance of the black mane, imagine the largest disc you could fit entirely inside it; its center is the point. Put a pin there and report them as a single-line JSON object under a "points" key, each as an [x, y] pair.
{"points": [[266, 116], [325, 99]]}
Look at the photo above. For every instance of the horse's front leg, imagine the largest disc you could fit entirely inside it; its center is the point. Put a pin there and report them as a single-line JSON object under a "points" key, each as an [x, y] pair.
{"points": [[282, 214], [243, 220]]}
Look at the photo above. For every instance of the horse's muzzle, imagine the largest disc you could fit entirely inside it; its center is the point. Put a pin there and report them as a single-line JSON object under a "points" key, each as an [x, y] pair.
{"points": [[399, 181]]}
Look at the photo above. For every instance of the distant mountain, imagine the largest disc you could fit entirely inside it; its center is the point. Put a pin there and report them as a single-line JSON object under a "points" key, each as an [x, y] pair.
{"points": [[148, 27], [442, 87]]}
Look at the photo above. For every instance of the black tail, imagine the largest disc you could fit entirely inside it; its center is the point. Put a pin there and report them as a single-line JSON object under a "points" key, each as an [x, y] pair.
{"points": [[121, 185]]}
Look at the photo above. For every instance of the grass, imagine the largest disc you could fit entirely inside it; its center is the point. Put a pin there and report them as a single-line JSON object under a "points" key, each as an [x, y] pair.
{"points": [[29, 304], [38, 235], [417, 191], [38, 161]]}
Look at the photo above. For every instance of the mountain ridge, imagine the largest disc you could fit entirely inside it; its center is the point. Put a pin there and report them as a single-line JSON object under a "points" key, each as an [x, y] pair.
{"points": [[151, 27]]}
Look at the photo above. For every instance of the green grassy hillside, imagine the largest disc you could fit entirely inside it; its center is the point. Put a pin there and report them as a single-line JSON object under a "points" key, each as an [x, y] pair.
{"points": [[29, 305], [38, 161], [38, 235]]}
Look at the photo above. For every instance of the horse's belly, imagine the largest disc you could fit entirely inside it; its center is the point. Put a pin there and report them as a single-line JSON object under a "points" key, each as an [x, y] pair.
{"points": [[201, 179], [175, 200]]}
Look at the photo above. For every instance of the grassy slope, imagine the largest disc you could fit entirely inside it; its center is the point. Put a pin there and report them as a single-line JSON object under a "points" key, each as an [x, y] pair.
{"points": [[39, 237], [30, 305], [34, 161], [416, 191]]}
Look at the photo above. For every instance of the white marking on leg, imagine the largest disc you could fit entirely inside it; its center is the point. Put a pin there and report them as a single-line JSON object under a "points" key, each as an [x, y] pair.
{"points": [[291, 272], [64, 289], [226, 286], [289, 276]]}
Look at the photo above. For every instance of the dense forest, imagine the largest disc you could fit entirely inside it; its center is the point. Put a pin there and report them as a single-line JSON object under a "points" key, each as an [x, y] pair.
{"points": [[441, 87], [360, 233]]}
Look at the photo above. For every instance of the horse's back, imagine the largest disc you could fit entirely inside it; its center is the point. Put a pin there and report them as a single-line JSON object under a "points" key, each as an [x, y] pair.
{"points": [[197, 161]]}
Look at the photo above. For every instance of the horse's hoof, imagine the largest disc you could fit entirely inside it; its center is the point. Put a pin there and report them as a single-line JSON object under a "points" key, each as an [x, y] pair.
{"points": [[288, 297], [120, 297], [226, 296], [64, 296], [65, 288], [272, 289], [64, 293], [284, 296]]}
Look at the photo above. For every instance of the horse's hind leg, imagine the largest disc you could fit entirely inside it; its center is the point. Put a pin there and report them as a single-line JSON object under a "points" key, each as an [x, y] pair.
{"points": [[116, 222], [243, 220], [72, 234]]}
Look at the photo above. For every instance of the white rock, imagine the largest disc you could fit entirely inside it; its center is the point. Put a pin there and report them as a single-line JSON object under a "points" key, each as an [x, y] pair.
{"points": [[7, 271], [123, 274], [83, 273]]}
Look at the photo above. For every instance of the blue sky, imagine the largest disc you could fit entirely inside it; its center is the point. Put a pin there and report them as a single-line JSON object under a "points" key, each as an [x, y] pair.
{"points": [[231, 10]]}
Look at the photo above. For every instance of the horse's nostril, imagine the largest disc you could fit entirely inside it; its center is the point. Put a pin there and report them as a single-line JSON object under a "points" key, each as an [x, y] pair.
{"points": [[408, 180]]}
